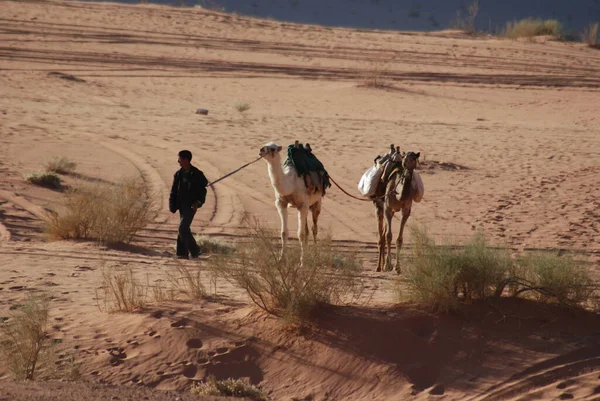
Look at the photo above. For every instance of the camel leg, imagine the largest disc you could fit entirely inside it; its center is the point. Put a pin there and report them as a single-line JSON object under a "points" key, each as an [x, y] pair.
{"points": [[316, 211], [388, 239], [302, 230], [380, 233], [405, 216], [283, 215]]}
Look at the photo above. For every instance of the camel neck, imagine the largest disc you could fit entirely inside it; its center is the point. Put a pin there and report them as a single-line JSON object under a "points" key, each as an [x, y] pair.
{"points": [[277, 176]]}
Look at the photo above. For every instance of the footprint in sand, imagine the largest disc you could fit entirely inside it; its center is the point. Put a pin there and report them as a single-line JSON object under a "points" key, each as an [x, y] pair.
{"points": [[189, 371], [115, 361], [565, 384], [566, 396], [195, 343]]}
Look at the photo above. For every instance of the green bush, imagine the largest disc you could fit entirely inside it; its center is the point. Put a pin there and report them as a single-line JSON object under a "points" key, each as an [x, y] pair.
{"points": [[48, 180], [530, 27], [442, 277], [556, 278]]}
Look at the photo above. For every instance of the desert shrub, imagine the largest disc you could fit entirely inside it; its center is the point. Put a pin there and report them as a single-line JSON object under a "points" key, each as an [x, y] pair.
{"points": [[432, 275], [553, 278], [590, 34], [284, 286], [375, 75], [24, 341], [442, 277], [467, 22], [60, 165], [47, 179], [242, 107], [229, 388], [530, 27], [482, 268], [121, 291], [103, 212], [214, 245], [186, 279]]}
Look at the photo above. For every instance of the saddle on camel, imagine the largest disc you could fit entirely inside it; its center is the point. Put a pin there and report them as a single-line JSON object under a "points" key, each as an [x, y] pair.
{"points": [[308, 167], [374, 181]]}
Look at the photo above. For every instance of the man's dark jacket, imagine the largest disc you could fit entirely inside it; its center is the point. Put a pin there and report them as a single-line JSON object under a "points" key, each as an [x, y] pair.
{"points": [[195, 193]]}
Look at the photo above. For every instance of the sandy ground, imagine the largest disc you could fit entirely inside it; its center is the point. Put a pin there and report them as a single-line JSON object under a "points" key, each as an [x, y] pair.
{"points": [[509, 141]]}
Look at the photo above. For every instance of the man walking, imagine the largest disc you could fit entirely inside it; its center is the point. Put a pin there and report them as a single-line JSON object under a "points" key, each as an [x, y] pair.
{"points": [[188, 193]]}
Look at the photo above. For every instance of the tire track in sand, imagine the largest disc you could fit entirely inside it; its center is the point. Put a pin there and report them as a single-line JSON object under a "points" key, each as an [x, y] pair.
{"points": [[222, 213], [150, 175], [23, 203]]}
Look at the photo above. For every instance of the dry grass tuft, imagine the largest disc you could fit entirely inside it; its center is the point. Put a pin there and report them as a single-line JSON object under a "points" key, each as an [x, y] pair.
{"points": [[121, 291], [284, 287], [162, 292], [590, 34], [466, 22], [60, 165], [375, 75], [47, 180], [215, 246], [187, 280], [106, 213], [531, 27], [24, 341], [229, 388], [242, 107]]}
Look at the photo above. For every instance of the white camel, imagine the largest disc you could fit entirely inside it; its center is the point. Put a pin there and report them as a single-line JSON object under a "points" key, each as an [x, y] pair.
{"points": [[290, 189]]}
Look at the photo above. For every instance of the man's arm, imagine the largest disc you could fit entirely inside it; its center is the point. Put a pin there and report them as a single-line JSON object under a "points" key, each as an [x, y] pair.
{"points": [[200, 183], [173, 194]]}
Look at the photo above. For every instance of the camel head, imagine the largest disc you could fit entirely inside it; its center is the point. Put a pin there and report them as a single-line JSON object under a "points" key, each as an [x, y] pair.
{"points": [[270, 151], [410, 160]]}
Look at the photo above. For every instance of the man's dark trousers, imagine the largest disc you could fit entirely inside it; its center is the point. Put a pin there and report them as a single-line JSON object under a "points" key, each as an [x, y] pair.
{"points": [[186, 244]]}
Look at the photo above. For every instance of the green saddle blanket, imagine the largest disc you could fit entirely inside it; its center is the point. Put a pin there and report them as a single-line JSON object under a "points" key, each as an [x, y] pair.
{"points": [[307, 164]]}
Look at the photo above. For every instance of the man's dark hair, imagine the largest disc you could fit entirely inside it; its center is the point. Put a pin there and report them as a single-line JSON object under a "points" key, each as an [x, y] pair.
{"points": [[186, 154]]}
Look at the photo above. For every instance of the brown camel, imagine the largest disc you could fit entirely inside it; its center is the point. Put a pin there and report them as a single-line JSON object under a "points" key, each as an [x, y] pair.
{"points": [[388, 201]]}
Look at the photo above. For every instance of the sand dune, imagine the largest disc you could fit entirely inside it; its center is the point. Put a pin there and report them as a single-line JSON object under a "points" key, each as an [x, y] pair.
{"points": [[508, 135]]}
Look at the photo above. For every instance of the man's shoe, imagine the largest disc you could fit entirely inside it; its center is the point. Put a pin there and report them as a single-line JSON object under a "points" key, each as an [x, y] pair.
{"points": [[182, 257], [195, 256]]}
